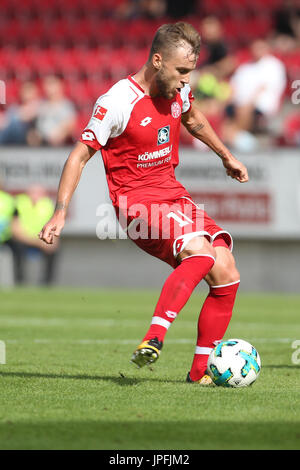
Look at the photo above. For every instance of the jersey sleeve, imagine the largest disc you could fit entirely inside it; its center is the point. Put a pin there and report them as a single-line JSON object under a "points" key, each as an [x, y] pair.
{"points": [[187, 98], [106, 122]]}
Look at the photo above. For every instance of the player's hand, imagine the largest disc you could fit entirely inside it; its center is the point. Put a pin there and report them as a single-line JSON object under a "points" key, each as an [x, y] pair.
{"points": [[52, 228], [235, 169]]}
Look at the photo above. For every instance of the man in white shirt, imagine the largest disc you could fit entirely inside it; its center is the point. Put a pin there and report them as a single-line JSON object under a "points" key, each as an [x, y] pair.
{"points": [[257, 89]]}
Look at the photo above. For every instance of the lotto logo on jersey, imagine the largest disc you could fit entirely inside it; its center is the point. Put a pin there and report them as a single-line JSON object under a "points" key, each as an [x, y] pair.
{"points": [[145, 121], [171, 314], [88, 135], [163, 135], [99, 113]]}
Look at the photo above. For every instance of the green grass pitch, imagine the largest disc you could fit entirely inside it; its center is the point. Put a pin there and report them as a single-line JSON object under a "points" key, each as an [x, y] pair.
{"points": [[68, 384]]}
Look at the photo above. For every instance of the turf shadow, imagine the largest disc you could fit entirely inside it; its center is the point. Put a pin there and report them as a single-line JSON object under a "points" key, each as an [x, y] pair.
{"points": [[192, 433], [121, 380]]}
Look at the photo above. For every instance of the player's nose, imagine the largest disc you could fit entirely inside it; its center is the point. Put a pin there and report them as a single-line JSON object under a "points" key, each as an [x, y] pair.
{"points": [[185, 80]]}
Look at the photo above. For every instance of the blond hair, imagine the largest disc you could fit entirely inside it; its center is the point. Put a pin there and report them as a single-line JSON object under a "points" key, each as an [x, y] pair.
{"points": [[173, 35]]}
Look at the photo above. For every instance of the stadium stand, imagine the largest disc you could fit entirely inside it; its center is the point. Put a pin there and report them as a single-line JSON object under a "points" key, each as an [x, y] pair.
{"points": [[90, 46]]}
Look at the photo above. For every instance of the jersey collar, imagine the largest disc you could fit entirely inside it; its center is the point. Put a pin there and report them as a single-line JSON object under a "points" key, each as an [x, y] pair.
{"points": [[131, 79]]}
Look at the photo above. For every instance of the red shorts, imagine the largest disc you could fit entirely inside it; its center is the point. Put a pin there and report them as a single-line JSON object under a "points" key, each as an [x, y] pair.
{"points": [[163, 230]]}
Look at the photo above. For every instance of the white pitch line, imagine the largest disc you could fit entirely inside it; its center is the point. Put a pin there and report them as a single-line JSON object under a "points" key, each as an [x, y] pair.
{"points": [[18, 322], [91, 341], [134, 341]]}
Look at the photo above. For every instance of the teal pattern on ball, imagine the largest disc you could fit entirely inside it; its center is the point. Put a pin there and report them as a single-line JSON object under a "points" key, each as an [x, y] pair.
{"points": [[221, 379], [250, 362]]}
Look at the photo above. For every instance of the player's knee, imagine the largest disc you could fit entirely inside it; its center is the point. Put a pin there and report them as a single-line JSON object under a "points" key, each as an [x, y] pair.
{"points": [[198, 246], [224, 271], [232, 274], [230, 270]]}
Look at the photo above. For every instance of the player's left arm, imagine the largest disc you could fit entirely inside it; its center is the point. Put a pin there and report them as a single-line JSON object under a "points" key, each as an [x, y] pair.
{"points": [[199, 127]]}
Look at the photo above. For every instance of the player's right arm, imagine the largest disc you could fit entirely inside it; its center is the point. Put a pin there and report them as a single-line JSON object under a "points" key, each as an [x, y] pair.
{"points": [[107, 121], [68, 182]]}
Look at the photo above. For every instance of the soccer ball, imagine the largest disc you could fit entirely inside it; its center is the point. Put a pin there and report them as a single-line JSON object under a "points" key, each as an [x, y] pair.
{"points": [[234, 363]]}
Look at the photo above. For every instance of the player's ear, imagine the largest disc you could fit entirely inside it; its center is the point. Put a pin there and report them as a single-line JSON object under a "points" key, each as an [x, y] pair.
{"points": [[156, 61]]}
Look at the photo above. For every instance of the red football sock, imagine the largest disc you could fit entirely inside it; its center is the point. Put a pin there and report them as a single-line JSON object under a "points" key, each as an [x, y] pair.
{"points": [[176, 292], [213, 321]]}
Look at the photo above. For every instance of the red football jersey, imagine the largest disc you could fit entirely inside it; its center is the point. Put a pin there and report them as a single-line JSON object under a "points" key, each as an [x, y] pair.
{"points": [[138, 137]]}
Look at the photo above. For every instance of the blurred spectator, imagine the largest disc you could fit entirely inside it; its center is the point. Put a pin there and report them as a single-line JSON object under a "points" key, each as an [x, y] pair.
{"points": [[33, 209], [209, 87], [179, 8], [213, 109], [257, 90], [217, 60], [56, 119], [296, 28], [210, 81], [148, 9], [286, 18], [153, 9], [7, 209], [20, 118], [287, 26]]}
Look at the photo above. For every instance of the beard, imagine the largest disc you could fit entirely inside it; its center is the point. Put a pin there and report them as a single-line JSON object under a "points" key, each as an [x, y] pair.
{"points": [[163, 85]]}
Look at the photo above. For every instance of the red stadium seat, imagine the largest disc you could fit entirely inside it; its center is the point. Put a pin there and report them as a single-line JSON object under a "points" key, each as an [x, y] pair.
{"points": [[213, 7], [41, 61], [292, 63], [242, 56], [82, 41], [78, 91]]}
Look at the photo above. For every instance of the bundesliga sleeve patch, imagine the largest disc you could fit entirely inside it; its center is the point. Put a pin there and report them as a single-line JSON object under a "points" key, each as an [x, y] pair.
{"points": [[99, 113]]}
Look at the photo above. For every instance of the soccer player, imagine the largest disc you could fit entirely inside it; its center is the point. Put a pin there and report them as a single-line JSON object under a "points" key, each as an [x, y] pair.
{"points": [[136, 125]]}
